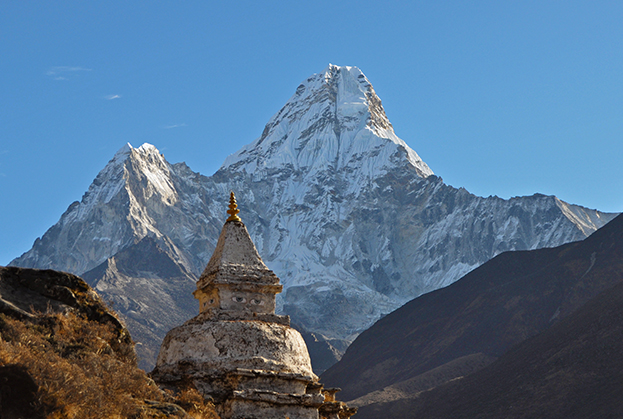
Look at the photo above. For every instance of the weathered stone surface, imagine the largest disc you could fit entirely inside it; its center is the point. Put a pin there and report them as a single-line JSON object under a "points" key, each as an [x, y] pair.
{"points": [[156, 409], [215, 314], [236, 255], [260, 409], [224, 346], [236, 279]]}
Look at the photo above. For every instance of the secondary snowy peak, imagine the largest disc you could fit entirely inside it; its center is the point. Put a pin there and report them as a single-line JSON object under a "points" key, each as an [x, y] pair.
{"points": [[334, 120], [141, 172], [154, 173], [119, 208]]}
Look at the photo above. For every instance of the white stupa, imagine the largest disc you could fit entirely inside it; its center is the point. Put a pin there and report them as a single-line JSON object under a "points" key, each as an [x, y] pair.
{"points": [[237, 351]]}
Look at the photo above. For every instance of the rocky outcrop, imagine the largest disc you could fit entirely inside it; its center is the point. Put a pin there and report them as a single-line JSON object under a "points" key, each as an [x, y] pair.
{"points": [[64, 353], [26, 293], [60, 346]]}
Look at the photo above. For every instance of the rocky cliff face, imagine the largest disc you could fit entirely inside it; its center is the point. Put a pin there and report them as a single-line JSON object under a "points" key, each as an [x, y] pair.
{"points": [[347, 215], [150, 287]]}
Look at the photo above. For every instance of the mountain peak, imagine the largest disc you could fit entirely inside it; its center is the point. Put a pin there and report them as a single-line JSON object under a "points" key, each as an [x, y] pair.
{"points": [[114, 208], [125, 150], [354, 92], [145, 162], [145, 148], [333, 121]]}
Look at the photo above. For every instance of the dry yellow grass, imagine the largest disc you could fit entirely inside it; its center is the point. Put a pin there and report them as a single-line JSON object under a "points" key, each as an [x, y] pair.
{"points": [[83, 370], [194, 404]]}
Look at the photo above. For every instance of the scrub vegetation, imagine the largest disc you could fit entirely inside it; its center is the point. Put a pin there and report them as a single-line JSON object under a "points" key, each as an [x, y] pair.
{"points": [[65, 366]]}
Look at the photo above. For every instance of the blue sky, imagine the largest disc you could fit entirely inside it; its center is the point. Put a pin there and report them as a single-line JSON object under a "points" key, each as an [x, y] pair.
{"points": [[503, 98]]}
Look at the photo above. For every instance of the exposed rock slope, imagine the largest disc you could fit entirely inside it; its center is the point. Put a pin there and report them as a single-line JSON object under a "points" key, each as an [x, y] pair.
{"points": [[457, 330], [150, 287], [572, 370], [351, 219], [25, 293]]}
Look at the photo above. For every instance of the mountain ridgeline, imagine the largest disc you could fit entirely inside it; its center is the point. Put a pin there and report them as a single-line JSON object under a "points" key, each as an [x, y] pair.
{"points": [[342, 210]]}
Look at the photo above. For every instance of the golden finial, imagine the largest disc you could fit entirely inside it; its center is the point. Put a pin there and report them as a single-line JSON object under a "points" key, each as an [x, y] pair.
{"points": [[233, 208]]}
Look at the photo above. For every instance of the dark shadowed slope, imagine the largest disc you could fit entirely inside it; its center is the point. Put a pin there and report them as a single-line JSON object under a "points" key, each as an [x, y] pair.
{"points": [[572, 370], [507, 300]]}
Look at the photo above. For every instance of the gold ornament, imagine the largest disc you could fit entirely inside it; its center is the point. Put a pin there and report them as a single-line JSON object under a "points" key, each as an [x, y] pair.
{"points": [[233, 208]]}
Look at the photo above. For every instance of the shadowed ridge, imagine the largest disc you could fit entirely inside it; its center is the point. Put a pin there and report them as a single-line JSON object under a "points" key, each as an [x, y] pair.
{"points": [[572, 370]]}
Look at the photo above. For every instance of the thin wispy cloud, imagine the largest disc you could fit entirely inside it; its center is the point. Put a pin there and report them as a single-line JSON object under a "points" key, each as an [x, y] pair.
{"points": [[112, 97], [64, 72], [175, 126]]}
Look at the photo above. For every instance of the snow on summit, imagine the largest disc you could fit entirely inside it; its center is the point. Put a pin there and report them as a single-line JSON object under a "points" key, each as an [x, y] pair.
{"points": [[135, 164], [333, 119]]}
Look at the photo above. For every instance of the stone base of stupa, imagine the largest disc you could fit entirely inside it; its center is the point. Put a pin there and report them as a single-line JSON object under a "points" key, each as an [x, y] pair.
{"points": [[267, 404], [249, 368]]}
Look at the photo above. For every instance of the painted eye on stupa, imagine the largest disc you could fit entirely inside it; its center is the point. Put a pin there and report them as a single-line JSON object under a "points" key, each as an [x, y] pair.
{"points": [[257, 301], [239, 299]]}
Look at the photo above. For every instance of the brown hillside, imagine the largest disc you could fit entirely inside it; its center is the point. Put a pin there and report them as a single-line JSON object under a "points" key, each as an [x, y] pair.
{"points": [[572, 370], [64, 354]]}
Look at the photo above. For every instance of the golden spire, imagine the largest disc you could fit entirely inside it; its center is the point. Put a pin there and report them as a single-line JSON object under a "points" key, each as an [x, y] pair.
{"points": [[233, 208]]}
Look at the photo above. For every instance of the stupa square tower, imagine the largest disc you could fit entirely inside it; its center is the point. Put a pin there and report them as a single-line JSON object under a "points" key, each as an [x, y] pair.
{"points": [[236, 279]]}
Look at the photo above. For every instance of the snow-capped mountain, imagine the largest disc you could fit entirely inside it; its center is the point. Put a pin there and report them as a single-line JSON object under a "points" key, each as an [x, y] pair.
{"points": [[334, 121], [346, 213]]}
